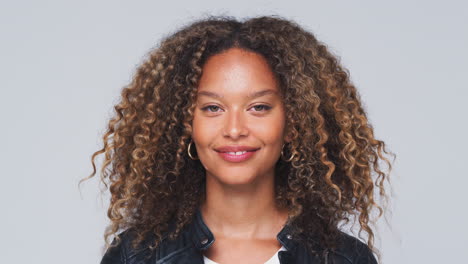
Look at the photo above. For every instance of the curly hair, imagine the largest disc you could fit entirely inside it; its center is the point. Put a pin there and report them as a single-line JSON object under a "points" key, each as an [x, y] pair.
{"points": [[335, 170]]}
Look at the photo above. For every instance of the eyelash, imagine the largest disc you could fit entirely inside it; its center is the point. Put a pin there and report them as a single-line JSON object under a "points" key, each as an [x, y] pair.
{"points": [[266, 107]]}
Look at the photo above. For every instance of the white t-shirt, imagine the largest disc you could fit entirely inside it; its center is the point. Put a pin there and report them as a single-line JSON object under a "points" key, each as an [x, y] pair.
{"points": [[272, 260]]}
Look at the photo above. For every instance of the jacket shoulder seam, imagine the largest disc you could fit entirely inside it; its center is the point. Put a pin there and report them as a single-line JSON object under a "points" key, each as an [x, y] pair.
{"points": [[358, 245], [342, 255]]}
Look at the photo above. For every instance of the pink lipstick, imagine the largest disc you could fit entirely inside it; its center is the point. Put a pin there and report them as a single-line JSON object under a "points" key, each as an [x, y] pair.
{"points": [[237, 156]]}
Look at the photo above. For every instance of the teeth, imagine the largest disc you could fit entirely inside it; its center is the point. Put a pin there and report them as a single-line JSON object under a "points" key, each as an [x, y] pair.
{"points": [[237, 153]]}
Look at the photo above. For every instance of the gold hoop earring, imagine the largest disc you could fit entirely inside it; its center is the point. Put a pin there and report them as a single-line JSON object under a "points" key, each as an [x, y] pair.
{"points": [[290, 159], [188, 151]]}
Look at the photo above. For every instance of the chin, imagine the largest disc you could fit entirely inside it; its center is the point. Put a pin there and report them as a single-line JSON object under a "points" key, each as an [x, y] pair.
{"points": [[236, 178]]}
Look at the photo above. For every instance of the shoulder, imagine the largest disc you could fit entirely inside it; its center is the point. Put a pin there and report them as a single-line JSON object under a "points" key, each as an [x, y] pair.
{"points": [[123, 252], [352, 250]]}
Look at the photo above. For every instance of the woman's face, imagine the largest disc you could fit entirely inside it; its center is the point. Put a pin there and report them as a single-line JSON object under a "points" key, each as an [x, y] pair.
{"points": [[238, 105]]}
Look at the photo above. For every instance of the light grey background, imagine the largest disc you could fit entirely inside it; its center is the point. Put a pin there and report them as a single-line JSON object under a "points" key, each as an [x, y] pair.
{"points": [[63, 64]]}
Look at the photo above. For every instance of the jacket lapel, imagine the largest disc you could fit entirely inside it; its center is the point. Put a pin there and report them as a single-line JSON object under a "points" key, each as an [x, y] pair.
{"points": [[198, 237]]}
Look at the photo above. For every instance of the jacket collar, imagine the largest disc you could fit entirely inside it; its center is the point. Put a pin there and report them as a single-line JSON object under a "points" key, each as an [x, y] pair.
{"points": [[202, 237]]}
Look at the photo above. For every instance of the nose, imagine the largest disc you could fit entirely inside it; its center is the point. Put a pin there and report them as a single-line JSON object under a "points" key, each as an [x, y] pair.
{"points": [[235, 124]]}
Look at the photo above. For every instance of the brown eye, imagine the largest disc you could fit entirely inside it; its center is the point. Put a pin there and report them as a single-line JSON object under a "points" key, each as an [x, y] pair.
{"points": [[210, 107], [262, 107]]}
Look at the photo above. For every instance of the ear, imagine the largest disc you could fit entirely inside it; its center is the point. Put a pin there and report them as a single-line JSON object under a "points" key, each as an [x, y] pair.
{"points": [[287, 137]]}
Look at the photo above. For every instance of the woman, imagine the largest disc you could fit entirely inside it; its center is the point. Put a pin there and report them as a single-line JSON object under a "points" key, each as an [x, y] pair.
{"points": [[240, 142]]}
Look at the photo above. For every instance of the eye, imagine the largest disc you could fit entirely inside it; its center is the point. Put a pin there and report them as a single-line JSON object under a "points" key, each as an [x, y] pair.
{"points": [[214, 108], [265, 107], [210, 107]]}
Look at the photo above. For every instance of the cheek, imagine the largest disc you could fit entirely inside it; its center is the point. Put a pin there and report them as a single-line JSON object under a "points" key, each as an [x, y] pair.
{"points": [[198, 127], [203, 130], [270, 130], [195, 126]]}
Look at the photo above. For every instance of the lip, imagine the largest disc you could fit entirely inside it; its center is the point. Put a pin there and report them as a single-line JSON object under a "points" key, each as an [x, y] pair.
{"points": [[236, 148], [237, 158]]}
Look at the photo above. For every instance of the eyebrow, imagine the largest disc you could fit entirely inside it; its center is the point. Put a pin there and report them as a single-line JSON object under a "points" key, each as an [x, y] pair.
{"points": [[252, 95]]}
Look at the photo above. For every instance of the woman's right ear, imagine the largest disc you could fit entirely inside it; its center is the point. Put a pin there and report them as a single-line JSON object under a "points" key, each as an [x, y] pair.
{"points": [[287, 137]]}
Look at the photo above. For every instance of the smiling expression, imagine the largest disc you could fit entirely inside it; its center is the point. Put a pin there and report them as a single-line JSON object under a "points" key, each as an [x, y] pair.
{"points": [[238, 104]]}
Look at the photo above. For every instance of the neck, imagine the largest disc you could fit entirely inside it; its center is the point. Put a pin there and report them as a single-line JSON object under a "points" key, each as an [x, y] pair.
{"points": [[245, 212]]}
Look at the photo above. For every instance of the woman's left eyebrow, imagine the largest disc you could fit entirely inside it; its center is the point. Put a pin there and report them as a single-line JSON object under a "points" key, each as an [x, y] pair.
{"points": [[262, 93], [252, 95]]}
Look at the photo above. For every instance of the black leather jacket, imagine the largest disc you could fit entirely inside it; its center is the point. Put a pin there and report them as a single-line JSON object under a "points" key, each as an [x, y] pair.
{"points": [[187, 248]]}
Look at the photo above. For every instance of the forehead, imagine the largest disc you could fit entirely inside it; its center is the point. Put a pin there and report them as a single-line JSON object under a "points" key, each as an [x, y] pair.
{"points": [[237, 71]]}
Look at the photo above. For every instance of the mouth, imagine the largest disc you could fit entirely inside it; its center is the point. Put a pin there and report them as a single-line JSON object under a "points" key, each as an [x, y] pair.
{"points": [[238, 156], [236, 152]]}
